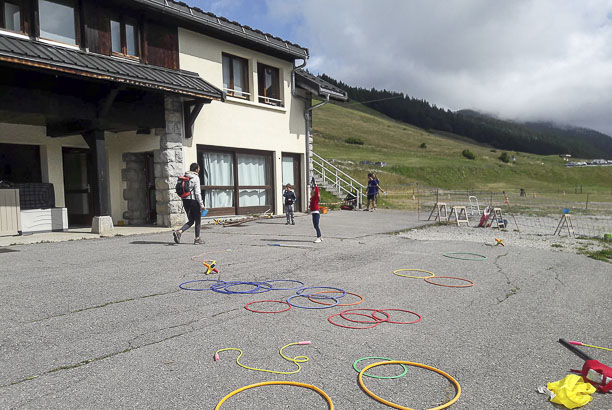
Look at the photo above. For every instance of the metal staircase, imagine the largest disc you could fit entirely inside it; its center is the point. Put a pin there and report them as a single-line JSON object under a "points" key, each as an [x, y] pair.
{"points": [[336, 181]]}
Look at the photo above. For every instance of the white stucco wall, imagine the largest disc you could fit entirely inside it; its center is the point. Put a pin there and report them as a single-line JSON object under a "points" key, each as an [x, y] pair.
{"points": [[244, 124], [51, 163]]}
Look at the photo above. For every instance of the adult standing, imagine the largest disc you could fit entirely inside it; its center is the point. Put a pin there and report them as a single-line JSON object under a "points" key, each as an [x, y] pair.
{"points": [[378, 188], [193, 205], [371, 191]]}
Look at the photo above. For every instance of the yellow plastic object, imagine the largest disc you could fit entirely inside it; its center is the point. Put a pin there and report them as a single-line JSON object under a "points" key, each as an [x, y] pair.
{"points": [[296, 360], [397, 406], [395, 272], [571, 391], [250, 386]]}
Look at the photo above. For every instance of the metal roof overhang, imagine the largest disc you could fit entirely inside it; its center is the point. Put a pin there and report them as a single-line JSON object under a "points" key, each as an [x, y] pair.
{"points": [[318, 86], [39, 55]]}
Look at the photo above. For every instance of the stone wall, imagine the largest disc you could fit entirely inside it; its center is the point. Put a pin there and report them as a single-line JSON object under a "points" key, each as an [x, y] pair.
{"points": [[169, 165], [135, 192]]}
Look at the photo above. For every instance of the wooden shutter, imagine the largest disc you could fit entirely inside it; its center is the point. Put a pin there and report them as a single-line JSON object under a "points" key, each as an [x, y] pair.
{"points": [[97, 29], [161, 45]]}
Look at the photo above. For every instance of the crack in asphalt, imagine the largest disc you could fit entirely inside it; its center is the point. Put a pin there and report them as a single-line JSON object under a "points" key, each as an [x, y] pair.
{"points": [[512, 291], [112, 354], [114, 302]]}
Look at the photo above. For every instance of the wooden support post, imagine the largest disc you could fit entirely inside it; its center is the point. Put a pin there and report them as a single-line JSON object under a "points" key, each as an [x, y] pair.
{"points": [[99, 167]]}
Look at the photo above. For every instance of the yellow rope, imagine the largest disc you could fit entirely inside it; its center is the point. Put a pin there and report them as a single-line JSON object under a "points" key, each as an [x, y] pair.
{"points": [[308, 386], [296, 360]]}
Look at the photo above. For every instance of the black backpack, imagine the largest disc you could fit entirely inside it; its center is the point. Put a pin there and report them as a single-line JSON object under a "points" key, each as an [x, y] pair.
{"points": [[182, 187]]}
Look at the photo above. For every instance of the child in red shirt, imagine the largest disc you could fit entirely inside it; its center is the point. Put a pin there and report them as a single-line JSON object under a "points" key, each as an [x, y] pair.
{"points": [[314, 209]]}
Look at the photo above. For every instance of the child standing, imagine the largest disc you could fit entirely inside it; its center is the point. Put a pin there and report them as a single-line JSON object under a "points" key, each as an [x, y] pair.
{"points": [[372, 190], [378, 188], [290, 198], [314, 209]]}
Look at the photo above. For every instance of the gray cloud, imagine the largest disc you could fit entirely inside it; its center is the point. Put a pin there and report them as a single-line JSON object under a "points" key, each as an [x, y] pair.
{"points": [[520, 59]]}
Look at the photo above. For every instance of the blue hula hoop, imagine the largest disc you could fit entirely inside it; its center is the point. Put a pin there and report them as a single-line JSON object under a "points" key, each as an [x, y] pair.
{"points": [[299, 292], [199, 280], [285, 280], [223, 288], [313, 307]]}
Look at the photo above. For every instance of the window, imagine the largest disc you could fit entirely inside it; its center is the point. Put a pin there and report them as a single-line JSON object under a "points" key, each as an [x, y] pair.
{"points": [[11, 15], [269, 85], [236, 76], [57, 20], [124, 38], [236, 182]]}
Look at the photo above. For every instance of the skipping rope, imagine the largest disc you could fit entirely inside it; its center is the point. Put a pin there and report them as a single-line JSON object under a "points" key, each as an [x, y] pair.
{"points": [[296, 360]]}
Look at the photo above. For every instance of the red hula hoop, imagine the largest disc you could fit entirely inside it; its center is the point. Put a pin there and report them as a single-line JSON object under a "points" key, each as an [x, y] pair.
{"points": [[378, 320], [335, 291], [261, 311], [428, 280], [404, 310], [329, 319]]}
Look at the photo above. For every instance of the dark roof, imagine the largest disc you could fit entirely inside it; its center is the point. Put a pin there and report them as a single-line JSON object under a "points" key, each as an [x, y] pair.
{"points": [[229, 28], [318, 86], [36, 54]]}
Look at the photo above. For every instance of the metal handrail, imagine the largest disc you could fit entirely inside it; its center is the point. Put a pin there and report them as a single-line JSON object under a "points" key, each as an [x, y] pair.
{"points": [[330, 172]]}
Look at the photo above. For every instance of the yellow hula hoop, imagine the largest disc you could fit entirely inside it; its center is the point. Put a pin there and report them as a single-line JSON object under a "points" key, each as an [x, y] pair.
{"points": [[308, 386], [397, 406], [414, 270]]}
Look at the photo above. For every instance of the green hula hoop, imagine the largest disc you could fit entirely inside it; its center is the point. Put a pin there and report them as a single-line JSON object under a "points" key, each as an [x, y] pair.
{"points": [[450, 255], [379, 377]]}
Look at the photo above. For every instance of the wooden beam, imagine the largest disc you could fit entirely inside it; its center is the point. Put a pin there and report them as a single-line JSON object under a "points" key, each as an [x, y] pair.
{"points": [[191, 110], [99, 166]]}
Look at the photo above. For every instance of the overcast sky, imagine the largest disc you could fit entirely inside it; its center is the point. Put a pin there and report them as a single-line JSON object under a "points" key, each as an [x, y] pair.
{"points": [[519, 59]]}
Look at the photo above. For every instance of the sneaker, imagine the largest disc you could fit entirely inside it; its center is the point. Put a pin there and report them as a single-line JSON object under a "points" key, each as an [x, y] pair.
{"points": [[198, 241], [177, 236], [286, 223], [318, 240], [292, 222]]}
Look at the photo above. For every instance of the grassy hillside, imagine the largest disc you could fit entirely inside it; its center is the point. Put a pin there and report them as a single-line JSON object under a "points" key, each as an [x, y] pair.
{"points": [[441, 163]]}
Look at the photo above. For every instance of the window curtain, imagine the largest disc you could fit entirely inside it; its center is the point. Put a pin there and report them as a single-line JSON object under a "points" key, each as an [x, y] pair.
{"points": [[253, 171], [288, 177], [218, 170]]}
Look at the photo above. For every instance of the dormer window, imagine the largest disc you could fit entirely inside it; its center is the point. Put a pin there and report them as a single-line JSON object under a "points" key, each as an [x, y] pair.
{"points": [[57, 20], [124, 37], [269, 84], [11, 15], [236, 76]]}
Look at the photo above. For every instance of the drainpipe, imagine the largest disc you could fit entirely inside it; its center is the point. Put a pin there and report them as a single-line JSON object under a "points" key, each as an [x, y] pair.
{"points": [[307, 158], [308, 117]]}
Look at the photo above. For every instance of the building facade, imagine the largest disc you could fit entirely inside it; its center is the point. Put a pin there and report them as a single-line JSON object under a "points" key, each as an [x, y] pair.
{"points": [[106, 104]]}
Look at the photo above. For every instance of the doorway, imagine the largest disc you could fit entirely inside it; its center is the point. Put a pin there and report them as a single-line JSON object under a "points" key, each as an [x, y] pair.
{"points": [[291, 175], [77, 186]]}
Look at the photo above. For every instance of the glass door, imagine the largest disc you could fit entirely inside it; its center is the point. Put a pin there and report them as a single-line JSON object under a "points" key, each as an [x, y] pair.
{"points": [[77, 189], [291, 175]]}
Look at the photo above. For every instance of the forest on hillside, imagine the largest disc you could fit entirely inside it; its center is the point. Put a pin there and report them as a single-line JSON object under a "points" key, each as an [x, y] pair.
{"points": [[537, 138]]}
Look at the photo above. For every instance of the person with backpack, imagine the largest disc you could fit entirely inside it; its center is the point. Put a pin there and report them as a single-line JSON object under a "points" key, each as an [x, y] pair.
{"points": [[188, 188]]}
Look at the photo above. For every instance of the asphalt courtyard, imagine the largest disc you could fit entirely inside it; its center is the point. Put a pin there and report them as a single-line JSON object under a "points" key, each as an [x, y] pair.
{"points": [[103, 323]]}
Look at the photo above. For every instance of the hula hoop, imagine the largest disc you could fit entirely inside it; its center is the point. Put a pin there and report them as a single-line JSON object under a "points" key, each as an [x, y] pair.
{"points": [[428, 280], [199, 280], [404, 310], [313, 299], [450, 255], [424, 366], [414, 270], [312, 307], [349, 311], [308, 386], [259, 288], [285, 280], [262, 311], [299, 292], [379, 377], [329, 319]]}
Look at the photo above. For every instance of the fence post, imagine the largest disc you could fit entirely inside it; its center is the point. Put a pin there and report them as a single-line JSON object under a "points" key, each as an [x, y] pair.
{"points": [[587, 202], [418, 203]]}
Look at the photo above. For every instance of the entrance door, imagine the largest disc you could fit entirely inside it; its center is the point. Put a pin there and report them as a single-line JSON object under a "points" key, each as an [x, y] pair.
{"points": [[77, 189], [291, 175]]}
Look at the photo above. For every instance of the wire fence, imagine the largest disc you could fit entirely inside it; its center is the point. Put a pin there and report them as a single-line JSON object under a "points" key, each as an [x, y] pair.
{"points": [[538, 213]]}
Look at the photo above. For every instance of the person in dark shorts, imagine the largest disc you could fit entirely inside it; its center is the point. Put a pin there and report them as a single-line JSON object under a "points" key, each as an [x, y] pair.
{"points": [[372, 189], [378, 188], [193, 205]]}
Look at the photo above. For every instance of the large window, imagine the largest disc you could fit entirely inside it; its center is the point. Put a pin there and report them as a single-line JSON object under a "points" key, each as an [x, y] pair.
{"points": [[236, 182], [20, 163], [236, 76], [269, 84], [57, 20], [124, 37], [11, 15]]}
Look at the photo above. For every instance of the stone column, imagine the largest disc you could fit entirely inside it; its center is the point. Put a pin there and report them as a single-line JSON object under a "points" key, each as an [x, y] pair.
{"points": [[169, 164], [135, 192]]}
